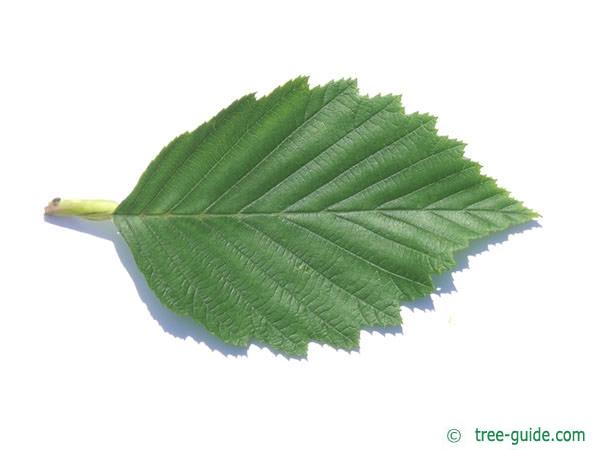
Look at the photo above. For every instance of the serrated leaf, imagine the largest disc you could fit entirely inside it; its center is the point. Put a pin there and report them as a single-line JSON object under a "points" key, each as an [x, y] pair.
{"points": [[306, 215]]}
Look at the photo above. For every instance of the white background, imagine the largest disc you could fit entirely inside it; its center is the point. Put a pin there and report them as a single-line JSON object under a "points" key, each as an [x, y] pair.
{"points": [[90, 93]]}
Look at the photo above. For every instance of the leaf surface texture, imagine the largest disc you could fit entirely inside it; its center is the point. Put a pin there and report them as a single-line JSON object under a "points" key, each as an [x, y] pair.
{"points": [[307, 215]]}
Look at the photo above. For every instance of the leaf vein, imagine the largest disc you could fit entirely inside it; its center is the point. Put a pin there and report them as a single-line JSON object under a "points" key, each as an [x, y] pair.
{"points": [[354, 129], [278, 146], [371, 263]]}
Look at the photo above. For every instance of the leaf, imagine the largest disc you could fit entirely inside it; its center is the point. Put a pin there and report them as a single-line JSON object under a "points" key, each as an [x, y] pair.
{"points": [[306, 215]]}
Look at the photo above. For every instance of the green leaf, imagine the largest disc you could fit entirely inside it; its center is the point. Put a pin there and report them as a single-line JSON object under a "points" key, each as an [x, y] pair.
{"points": [[306, 215]]}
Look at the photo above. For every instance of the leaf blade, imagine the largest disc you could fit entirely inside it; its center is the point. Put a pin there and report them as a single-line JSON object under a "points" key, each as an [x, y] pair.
{"points": [[307, 215]]}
